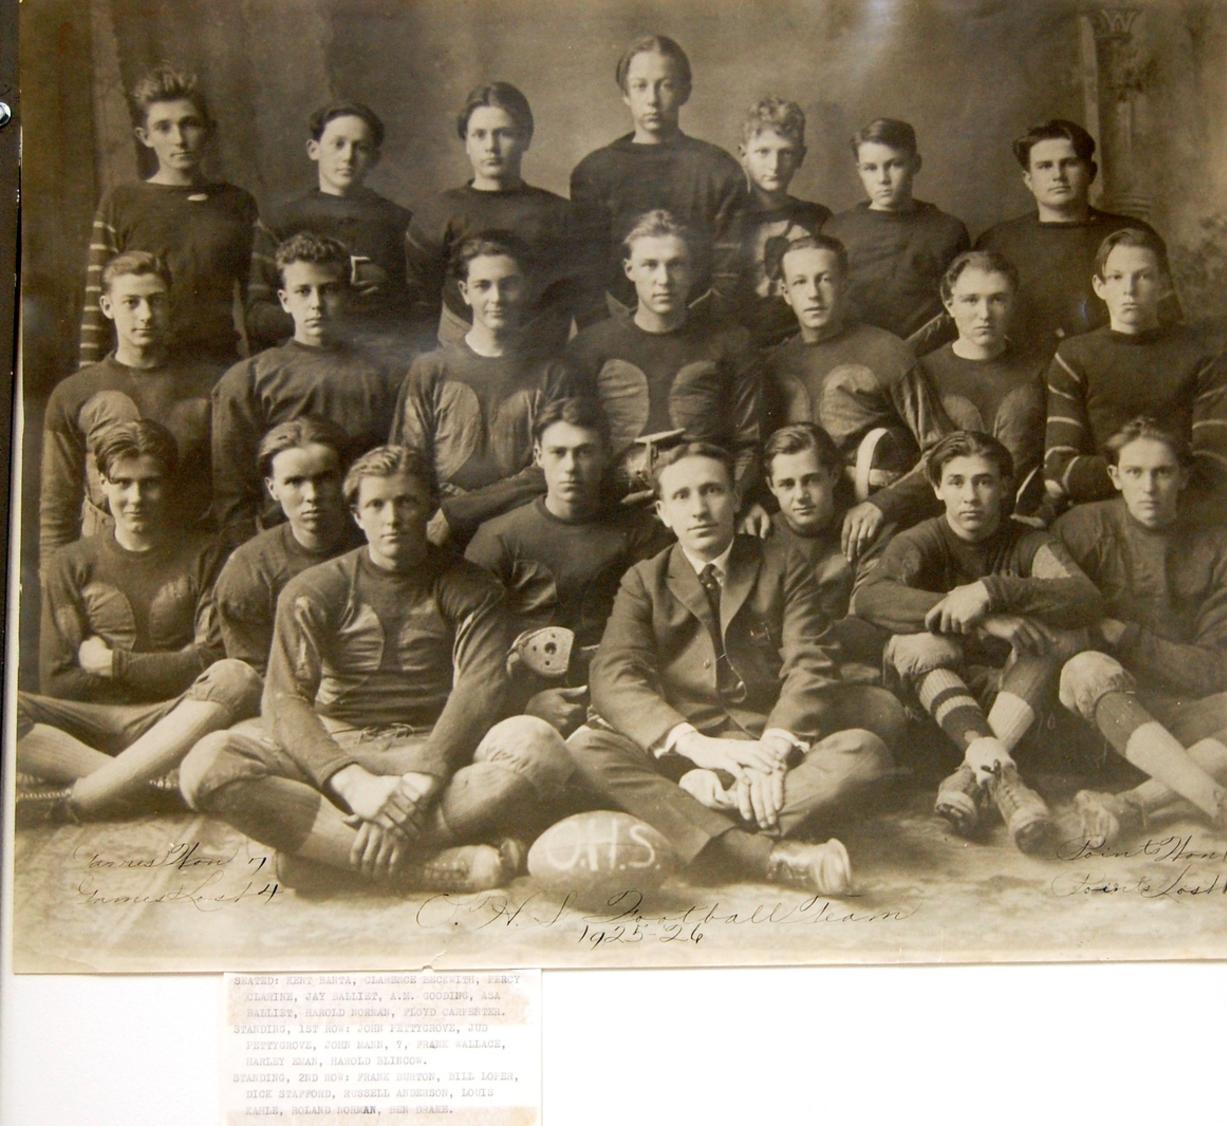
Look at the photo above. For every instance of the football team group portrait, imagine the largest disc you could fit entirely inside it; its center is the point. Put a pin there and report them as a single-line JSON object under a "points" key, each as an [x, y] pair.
{"points": [[667, 526]]}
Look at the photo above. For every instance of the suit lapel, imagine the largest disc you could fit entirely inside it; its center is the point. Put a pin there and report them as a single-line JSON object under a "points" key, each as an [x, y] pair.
{"points": [[684, 584], [743, 570]]}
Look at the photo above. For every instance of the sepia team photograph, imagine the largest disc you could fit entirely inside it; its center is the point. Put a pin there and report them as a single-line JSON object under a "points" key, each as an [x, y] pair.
{"points": [[603, 484]]}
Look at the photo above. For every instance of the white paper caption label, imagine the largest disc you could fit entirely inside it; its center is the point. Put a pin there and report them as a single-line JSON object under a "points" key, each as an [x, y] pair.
{"points": [[378, 1047]]}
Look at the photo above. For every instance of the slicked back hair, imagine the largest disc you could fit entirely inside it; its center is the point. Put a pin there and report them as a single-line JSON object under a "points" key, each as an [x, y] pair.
{"points": [[141, 437], [137, 263], [583, 411], [386, 461], [1146, 427], [319, 250], [297, 434], [692, 449], [490, 244], [658, 45], [318, 121], [165, 83], [886, 131], [499, 95], [987, 260], [1055, 129], [799, 437], [1132, 236], [969, 443], [815, 242]]}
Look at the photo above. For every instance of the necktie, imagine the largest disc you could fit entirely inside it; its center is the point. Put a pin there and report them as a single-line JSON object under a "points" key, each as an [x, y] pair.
{"points": [[727, 681]]}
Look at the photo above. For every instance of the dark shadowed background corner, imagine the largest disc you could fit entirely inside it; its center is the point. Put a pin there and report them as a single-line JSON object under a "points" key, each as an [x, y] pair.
{"points": [[1150, 80]]}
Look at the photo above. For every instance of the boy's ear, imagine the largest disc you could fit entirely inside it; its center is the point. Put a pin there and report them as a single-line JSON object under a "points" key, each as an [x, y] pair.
{"points": [[1094, 171], [537, 454], [463, 286], [1114, 476], [142, 135], [106, 305], [626, 269], [313, 148], [1098, 286], [917, 163], [281, 296], [268, 484]]}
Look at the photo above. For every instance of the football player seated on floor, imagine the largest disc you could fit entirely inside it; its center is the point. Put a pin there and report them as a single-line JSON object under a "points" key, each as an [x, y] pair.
{"points": [[1155, 681], [1135, 365], [666, 373], [848, 378], [383, 752], [303, 463], [139, 379], [561, 558], [983, 608], [469, 407], [717, 717], [314, 372], [345, 142], [131, 677], [982, 379]]}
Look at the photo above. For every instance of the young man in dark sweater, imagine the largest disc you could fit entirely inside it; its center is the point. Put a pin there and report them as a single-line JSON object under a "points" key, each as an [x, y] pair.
{"points": [[849, 379], [898, 246], [345, 142], [469, 408], [666, 371], [383, 756], [202, 229], [657, 167], [302, 464], [772, 151], [315, 373], [981, 606], [1155, 684], [130, 675], [1054, 247], [1134, 366], [138, 380], [562, 556], [714, 695], [496, 126]]}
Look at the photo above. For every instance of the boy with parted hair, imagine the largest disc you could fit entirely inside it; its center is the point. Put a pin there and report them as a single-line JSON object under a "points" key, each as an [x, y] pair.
{"points": [[496, 126], [302, 463], [1132, 366], [140, 379], [561, 556], [850, 379], [898, 246], [202, 229], [469, 408], [315, 372], [1155, 682], [1054, 246], [657, 167], [383, 756], [981, 608], [131, 674], [345, 141], [772, 150], [666, 371]]}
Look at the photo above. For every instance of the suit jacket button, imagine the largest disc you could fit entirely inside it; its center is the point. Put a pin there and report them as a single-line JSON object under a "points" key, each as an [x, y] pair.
{"points": [[707, 664]]}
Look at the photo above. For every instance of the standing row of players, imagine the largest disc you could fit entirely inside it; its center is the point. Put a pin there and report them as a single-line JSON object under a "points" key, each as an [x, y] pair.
{"points": [[754, 699]]}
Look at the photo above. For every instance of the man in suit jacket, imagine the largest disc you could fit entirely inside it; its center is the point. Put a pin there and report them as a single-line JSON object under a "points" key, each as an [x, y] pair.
{"points": [[717, 712]]}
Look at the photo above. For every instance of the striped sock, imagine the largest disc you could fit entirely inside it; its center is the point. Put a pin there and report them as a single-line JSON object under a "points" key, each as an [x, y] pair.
{"points": [[56, 756], [945, 696], [1011, 718]]}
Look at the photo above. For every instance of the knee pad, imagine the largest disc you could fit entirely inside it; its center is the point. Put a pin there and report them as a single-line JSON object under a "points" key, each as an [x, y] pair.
{"points": [[530, 747], [234, 685], [912, 655], [1089, 676]]}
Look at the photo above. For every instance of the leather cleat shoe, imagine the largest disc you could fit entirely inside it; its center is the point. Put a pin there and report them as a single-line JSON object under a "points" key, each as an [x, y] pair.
{"points": [[310, 877], [959, 798], [1104, 818], [1024, 812], [824, 869], [45, 804], [466, 868]]}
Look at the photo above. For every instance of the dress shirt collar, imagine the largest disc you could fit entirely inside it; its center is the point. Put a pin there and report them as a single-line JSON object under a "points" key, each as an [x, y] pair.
{"points": [[721, 562]]}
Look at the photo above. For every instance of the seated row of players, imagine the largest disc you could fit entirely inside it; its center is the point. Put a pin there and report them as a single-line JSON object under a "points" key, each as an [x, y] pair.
{"points": [[898, 247], [662, 371], [399, 739]]}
